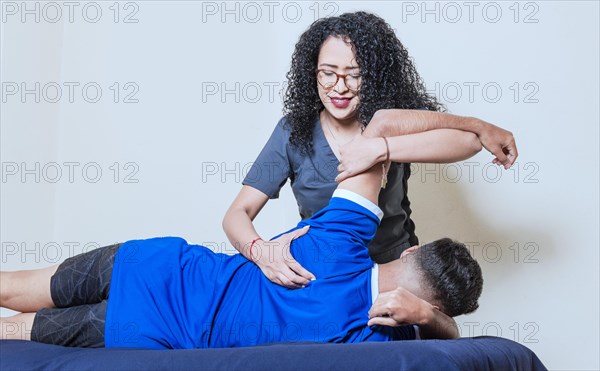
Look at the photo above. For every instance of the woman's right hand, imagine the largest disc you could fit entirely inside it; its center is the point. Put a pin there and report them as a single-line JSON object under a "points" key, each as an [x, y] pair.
{"points": [[277, 263], [272, 257]]}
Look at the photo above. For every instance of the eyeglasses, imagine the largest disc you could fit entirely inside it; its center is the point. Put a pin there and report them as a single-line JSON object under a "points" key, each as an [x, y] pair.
{"points": [[328, 79]]}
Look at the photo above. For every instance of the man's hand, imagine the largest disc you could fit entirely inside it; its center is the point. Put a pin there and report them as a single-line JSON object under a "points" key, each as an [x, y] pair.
{"points": [[499, 142], [400, 307], [277, 263], [396, 122], [359, 155]]}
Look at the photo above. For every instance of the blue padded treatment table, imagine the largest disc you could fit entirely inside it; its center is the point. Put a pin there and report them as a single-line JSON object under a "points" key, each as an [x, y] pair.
{"points": [[479, 353]]}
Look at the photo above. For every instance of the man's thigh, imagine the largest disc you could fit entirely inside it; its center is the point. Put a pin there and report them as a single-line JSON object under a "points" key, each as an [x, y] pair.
{"points": [[78, 326], [84, 279]]}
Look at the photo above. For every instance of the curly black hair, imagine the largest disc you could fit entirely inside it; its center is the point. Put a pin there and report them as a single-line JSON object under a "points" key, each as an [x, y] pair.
{"points": [[451, 272], [389, 77]]}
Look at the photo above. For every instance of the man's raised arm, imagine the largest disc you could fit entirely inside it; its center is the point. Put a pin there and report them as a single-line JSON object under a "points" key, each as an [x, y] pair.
{"points": [[394, 122]]}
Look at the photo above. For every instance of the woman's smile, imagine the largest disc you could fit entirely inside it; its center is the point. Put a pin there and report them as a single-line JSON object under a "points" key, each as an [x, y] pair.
{"points": [[341, 102]]}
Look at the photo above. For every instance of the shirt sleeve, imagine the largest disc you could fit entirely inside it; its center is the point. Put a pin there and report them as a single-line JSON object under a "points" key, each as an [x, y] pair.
{"points": [[271, 169]]}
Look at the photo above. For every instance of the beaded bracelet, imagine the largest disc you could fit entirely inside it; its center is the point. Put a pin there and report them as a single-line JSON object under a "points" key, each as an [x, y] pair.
{"points": [[387, 157]]}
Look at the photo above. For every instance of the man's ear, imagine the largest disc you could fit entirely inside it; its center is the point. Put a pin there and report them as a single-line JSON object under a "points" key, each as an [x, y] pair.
{"points": [[412, 248], [408, 251]]}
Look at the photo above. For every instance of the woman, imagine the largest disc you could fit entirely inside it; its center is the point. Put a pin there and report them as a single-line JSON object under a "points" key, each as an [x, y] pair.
{"points": [[347, 72]]}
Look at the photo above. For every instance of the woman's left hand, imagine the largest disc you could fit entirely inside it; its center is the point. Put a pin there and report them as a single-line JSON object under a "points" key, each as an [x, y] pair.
{"points": [[359, 155]]}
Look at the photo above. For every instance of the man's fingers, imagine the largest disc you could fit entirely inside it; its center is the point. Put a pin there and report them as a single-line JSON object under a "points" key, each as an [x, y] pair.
{"points": [[382, 311], [379, 308], [499, 153], [514, 150], [382, 321], [296, 267], [509, 158], [511, 152]]}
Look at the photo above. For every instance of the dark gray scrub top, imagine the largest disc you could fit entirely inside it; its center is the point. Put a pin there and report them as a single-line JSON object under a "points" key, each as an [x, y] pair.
{"points": [[312, 178]]}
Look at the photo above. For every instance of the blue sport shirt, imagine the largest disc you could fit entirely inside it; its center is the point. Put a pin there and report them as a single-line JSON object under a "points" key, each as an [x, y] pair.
{"points": [[168, 294]]}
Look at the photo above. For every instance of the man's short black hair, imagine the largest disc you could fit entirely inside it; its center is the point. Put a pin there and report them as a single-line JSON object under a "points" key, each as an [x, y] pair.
{"points": [[452, 273]]}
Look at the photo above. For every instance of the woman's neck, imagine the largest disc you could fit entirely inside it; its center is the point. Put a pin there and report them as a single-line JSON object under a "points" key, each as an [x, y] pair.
{"points": [[341, 126]]}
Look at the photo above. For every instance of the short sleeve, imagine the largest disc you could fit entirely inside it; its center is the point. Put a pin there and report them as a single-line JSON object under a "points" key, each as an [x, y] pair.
{"points": [[271, 169]]}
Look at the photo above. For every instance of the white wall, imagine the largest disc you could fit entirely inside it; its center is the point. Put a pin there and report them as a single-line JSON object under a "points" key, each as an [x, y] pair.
{"points": [[534, 229]]}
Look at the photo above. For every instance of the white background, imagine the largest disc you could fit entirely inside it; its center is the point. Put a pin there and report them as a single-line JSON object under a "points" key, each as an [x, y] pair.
{"points": [[184, 147]]}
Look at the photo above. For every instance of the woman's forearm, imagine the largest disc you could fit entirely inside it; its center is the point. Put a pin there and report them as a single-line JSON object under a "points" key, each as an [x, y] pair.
{"points": [[239, 230], [237, 222], [273, 257]]}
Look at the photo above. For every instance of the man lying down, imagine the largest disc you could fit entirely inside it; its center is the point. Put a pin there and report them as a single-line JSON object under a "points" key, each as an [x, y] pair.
{"points": [[165, 293]]}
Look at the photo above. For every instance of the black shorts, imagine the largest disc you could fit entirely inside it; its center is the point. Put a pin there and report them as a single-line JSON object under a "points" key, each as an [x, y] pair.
{"points": [[79, 290]]}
